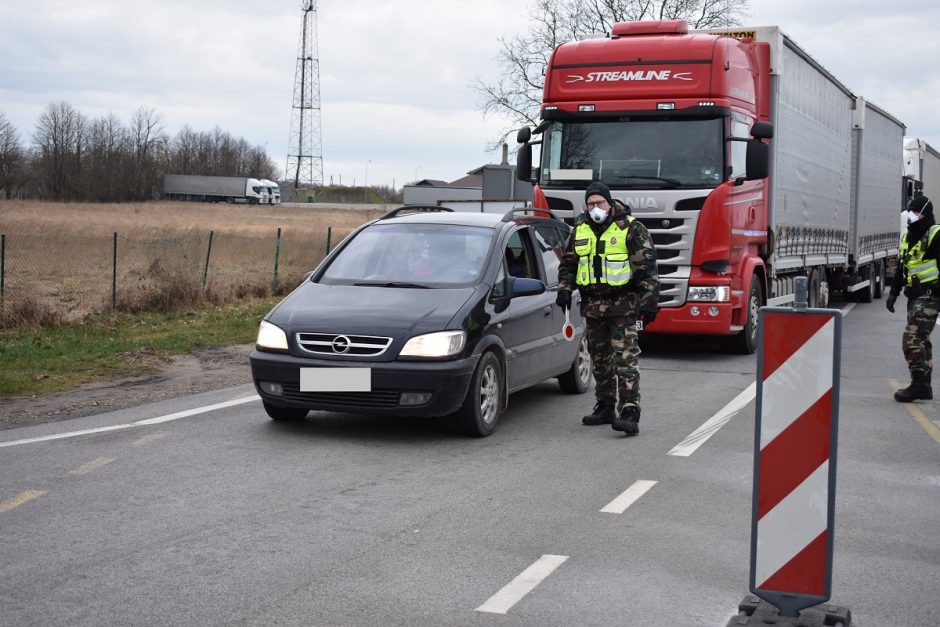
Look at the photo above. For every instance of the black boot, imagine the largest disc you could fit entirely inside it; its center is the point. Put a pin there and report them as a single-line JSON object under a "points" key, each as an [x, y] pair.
{"points": [[628, 420], [918, 389], [603, 415]]}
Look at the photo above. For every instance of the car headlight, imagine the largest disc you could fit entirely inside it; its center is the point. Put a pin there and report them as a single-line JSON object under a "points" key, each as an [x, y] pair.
{"points": [[440, 344], [710, 294], [271, 336]]}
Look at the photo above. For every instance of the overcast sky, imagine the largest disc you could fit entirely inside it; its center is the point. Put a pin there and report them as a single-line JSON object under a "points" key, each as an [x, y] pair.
{"points": [[394, 74]]}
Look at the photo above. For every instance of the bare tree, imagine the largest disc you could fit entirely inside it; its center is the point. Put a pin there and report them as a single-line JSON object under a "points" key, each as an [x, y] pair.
{"points": [[59, 139], [12, 158], [522, 59]]}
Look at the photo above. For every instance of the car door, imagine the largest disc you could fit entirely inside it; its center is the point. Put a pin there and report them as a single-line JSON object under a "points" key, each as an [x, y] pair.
{"points": [[530, 318], [550, 242]]}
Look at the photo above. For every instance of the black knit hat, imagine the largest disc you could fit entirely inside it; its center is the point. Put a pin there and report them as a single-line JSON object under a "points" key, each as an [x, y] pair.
{"points": [[597, 189], [921, 205]]}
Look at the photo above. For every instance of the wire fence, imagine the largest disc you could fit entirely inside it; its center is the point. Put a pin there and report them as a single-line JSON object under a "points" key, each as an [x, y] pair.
{"points": [[49, 278]]}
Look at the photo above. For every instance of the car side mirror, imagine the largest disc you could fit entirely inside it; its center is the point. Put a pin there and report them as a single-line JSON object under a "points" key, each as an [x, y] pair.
{"points": [[522, 286]]}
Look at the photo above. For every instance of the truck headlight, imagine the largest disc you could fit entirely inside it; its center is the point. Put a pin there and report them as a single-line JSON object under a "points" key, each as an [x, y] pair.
{"points": [[271, 336], [440, 344], [710, 294]]}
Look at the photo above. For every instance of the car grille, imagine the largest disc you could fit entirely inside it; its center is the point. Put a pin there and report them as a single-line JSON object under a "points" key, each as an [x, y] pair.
{"points": [[339, 344], [375, 398]]}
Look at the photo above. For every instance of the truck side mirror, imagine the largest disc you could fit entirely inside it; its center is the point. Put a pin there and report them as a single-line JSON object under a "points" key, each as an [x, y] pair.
{"points": [[523, 135], [524, 162], [757, 160], [762, 130]]}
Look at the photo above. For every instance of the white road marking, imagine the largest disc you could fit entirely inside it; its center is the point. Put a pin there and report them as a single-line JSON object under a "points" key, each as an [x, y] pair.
{"points": [[523, 584], [140, 423], [23, 497], [713, 424], [629, 496], [848, 308]]}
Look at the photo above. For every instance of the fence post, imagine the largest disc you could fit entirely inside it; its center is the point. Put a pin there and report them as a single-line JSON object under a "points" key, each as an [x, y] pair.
{"points": [[329, 234], [205, 272], [114, 272], [277, 256], [3, 257]]}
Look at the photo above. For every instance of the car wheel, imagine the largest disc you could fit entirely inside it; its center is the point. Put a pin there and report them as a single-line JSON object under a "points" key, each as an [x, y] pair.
{"points": [[276, 412], [745, 342], [481, 408], [577, 379]]}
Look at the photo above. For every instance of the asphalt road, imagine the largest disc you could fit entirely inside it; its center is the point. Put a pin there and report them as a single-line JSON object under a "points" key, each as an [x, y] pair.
{"points": [[221, 516]]}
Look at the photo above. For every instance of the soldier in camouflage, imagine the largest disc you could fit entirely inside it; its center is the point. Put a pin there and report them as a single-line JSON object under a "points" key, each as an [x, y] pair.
{"points": [[918, 274], [611, 260]]}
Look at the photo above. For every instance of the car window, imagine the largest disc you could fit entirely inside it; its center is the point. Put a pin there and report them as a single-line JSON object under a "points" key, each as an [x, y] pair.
{"points": [[500, 285], [550, 242], [518, 256], [435, 255]]}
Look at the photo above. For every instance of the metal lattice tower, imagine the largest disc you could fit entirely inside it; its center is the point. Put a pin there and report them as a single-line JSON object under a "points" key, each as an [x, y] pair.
{"points": [[304, 158]]}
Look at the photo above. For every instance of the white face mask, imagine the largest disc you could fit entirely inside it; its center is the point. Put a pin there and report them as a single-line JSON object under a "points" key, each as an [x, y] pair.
{"points": [[598, 214], [912, 217]]}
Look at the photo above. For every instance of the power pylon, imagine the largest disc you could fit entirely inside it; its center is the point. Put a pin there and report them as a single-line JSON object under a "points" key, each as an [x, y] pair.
{"points": [[304, 156]]}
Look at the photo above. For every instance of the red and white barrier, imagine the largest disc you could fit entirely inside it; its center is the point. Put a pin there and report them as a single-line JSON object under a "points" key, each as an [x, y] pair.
{"points": [[794, 468]]}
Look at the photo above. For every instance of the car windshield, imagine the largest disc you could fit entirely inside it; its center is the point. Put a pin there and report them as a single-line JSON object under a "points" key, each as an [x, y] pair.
{"points": [[411, 256], [641, 153]]}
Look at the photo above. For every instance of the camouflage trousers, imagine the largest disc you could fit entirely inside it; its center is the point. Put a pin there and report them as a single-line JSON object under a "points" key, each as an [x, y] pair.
{"points": [[915, 342], [615, 354]]}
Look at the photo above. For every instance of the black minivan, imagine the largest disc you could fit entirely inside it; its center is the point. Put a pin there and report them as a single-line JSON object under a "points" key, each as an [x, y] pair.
{"points": [[425, 312]]}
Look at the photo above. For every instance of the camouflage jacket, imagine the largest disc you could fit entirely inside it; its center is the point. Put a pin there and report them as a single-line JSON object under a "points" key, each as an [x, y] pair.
{"points": [[640, 294]]}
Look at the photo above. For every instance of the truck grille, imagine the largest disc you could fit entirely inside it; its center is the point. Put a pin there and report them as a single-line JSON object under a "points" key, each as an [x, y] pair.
{"points": [[340, 344], [375, 398]]}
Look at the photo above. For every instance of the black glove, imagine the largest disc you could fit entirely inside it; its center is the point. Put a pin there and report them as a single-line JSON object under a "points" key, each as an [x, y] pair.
{"points": [[647, 316], [563, 299], [892, 298]]}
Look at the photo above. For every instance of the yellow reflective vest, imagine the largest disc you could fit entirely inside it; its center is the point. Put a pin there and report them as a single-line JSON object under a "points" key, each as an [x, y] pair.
{"points": [[925, 270], [612, 267]]}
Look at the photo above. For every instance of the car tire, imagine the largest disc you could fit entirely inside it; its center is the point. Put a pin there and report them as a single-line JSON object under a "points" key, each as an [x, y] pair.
{"points": [[277, 412], [483, 404], [578, 378]]}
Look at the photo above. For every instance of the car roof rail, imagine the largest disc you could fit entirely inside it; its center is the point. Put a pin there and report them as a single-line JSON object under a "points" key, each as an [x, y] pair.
{"points": [[415, 209], [534, 211]]}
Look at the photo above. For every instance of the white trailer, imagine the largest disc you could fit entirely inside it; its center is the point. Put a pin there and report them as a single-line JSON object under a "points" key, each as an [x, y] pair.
{"points": [[212, 188]]}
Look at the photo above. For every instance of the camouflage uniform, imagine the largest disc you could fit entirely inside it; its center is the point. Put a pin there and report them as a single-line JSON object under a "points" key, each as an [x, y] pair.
{"points": [[915, 341], [611, 312]]}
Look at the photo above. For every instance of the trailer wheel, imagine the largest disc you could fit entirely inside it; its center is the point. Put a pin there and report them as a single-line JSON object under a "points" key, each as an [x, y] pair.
{"points": [[878, 279], [745, 342]]}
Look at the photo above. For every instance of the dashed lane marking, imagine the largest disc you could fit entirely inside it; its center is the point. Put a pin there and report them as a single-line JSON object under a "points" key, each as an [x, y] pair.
{"points": [[711, 426], [148, 439], [140, 423], [523, 584], [18, 500], [629, 496], [933, 430], [92, 465]]}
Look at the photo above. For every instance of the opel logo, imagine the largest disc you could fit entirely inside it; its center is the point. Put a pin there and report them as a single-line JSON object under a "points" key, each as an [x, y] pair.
{"points": [[341, 344]]}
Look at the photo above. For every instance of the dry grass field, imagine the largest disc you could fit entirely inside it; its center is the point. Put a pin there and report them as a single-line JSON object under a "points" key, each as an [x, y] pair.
{"points": [[59, 258]]}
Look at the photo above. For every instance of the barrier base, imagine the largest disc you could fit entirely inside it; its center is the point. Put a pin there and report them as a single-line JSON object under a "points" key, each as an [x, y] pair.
{"points": [[755, 611]]}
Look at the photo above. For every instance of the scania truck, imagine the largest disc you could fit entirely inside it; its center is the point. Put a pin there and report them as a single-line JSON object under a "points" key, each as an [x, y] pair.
{"points": [[749, 163], [212, 188]]}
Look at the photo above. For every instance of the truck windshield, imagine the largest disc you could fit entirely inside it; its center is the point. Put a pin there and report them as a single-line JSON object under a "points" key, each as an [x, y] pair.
{"points": [[646, 154]]}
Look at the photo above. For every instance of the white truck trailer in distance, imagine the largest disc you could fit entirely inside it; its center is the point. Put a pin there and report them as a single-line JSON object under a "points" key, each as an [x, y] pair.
{"points": [[212, 188]]}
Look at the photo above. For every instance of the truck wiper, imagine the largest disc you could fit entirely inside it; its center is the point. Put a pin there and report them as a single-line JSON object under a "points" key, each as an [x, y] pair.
{"points": [[672, 183], [390, 284]]}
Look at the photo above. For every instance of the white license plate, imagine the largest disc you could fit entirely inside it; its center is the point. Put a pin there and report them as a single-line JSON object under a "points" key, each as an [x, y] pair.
{"points": [[335, 379], [639, 325]]}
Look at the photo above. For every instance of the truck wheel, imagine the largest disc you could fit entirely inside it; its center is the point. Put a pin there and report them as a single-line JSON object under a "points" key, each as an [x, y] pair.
{"points": [[481, 408], [745, 342], [577, 379], [276, 412], [878, 279]]}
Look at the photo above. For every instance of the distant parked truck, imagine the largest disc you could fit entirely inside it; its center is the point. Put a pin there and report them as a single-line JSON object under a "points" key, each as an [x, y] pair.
{"points": [[271, 192], [921, 170], [212, 188]]}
